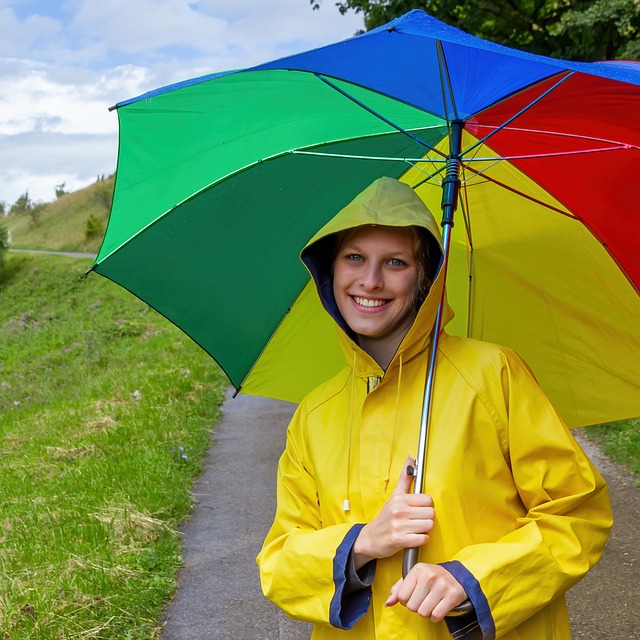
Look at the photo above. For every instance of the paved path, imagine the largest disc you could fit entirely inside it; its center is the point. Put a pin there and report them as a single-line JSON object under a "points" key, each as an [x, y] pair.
{"points": [[69, 254], [219, 597]]}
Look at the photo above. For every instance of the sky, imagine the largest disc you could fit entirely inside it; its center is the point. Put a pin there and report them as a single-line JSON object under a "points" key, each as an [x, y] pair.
{"points": [[63, 63]]}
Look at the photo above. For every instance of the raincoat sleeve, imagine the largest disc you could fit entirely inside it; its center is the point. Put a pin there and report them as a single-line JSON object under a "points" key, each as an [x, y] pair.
{"points": [[304, 564], [566, 510]]}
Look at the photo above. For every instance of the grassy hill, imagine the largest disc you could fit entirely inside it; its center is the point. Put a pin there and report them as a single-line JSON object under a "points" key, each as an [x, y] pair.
{"points": [[106, 412], [74, 222]]}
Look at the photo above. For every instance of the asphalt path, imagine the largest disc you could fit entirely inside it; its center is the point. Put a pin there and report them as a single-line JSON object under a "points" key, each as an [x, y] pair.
{"points": [[68, 254], [219, 595]]}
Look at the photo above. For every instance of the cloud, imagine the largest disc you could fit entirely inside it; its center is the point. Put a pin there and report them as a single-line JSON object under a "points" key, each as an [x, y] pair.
{"points": [[145, 26], [37, 162], [22, 37], [63, 64]]}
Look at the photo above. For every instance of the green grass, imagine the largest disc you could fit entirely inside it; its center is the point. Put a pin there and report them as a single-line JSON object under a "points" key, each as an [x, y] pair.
{"points": [[105, 414], [620, 441], [62, 224]]}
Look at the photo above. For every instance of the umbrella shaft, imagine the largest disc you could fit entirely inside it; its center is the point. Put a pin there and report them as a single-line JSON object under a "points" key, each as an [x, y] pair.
{"points": [[451, 187]]}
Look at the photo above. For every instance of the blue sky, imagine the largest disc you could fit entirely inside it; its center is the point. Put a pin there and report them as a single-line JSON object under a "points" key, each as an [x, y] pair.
{"points": [[64, 62]]}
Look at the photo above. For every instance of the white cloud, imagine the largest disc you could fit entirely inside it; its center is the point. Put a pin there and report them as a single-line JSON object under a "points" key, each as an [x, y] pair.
{"points": [[21, 37], [146, 25], [37, 162], [63, 64]]}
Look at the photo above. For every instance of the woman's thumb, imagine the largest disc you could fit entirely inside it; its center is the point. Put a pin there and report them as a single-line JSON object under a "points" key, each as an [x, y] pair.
{"points": [[406, 477]]}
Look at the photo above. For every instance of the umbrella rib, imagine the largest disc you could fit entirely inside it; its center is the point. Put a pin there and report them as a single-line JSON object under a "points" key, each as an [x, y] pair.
{"points": [[499, 183], [519, 113], [367, 157], [565, 134], [355, 100], [445, 76], [614, 145], [554, 154], [467, 225]]}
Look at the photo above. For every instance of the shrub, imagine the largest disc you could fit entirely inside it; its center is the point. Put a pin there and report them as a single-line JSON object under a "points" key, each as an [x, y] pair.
{"points": [[4, 243], [93, 227]]}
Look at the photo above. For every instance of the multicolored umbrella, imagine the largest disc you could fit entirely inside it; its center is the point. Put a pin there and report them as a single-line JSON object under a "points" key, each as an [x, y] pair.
{"points": [[222, 179]]}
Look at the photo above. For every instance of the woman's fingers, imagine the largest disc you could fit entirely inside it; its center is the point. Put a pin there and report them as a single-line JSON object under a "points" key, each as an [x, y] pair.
{"points": [[393, 596], [428, 590]]}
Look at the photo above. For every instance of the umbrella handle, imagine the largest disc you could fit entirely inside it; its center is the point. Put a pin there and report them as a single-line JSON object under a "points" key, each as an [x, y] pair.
{"points": [[409, 560], [461, 610]]}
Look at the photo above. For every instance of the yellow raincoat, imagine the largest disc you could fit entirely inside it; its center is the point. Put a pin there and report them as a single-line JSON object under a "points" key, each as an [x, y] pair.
{"points": [[521, 514]]}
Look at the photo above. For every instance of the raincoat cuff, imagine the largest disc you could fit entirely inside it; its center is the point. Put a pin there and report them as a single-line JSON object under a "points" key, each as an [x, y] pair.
{"points": [[348, 604], [474, 626], [358, 578]]}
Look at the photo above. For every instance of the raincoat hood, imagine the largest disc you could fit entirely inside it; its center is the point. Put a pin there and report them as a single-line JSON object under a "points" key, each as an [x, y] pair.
{"points": [[386, 202]]}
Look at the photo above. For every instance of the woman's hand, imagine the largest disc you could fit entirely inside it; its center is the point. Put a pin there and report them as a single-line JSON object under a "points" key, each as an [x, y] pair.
{"points": [[404, 521], [428, 590]]}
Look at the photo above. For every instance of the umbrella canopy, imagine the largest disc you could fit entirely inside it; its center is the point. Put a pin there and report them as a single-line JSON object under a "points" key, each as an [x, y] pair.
{"points": [[221, 180]]}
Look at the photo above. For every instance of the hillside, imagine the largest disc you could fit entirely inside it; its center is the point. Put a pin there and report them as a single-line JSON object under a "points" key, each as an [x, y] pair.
{"points": [[106, 411], [74, 222]]}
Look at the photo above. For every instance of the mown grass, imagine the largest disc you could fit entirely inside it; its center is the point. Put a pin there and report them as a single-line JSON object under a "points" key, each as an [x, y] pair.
{"points": [[105, 415]]}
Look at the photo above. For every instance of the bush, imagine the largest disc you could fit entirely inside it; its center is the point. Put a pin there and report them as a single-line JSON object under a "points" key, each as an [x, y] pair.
{"points": [[93, 227], [4, 243]]}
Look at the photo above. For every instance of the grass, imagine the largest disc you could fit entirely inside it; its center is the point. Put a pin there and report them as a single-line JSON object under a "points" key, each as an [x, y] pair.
{"points": [[620, 441], [105, 415], [62, 224]]}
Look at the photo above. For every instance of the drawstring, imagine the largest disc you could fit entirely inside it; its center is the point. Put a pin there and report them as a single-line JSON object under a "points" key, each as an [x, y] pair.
{"points": [[346, 505], [395, 416]]}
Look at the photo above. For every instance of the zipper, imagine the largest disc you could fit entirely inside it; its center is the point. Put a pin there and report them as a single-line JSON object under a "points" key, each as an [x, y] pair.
{"points": [[373, 382]]}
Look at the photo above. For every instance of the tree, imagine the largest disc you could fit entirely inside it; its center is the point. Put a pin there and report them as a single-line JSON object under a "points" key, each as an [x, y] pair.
{"points": [[22, 204], [571, 29], [60, 190]]}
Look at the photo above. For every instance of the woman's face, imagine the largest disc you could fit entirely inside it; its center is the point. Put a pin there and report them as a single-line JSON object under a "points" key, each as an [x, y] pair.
{"points": [[375, 275]]}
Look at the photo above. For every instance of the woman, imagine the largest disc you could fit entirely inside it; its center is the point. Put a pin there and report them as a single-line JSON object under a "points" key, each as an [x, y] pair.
{"points": [[514, 513]]}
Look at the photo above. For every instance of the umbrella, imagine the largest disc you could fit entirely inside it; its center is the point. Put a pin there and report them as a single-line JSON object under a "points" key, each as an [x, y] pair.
{"points": [[222, 179]]}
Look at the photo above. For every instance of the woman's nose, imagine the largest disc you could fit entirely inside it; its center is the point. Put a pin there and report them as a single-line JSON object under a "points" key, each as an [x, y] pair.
{"points": [[372, 278]]}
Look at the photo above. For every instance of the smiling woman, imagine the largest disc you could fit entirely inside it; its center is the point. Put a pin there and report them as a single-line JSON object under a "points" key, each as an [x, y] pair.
{"points": [[334, 553]]}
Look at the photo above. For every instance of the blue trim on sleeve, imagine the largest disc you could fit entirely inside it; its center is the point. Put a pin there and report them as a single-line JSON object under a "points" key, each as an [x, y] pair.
{"points": [[346, 610], [483, 627]]}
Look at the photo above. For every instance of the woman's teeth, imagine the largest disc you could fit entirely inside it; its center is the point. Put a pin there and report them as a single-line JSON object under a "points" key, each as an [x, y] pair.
{"points": [[365, 302]]}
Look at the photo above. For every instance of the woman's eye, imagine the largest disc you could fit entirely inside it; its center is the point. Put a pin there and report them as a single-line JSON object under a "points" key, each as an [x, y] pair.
{"points": [[396, 262], [354, 257]]}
